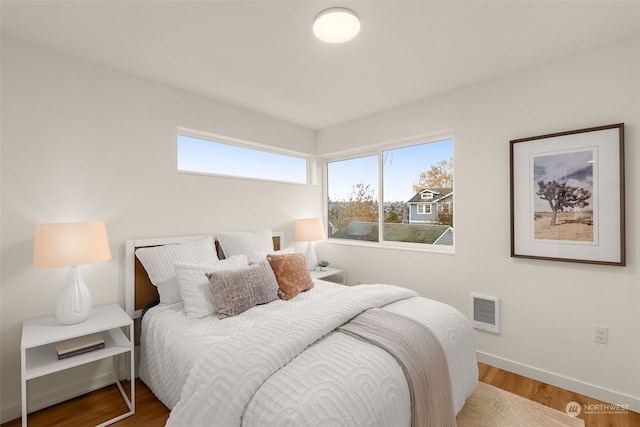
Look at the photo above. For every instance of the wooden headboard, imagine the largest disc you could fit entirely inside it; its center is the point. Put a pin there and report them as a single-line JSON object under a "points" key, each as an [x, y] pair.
{"points": [[139, 291]]}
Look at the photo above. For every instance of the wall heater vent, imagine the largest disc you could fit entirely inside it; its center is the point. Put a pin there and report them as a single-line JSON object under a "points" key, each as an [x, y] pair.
{"points": [[485, 312]]}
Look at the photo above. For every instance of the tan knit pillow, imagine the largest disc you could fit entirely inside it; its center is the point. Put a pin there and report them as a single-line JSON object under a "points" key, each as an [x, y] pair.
{"points": [[291, 273]]}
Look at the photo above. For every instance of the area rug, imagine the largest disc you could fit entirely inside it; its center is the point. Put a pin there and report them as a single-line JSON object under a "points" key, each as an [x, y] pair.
{"points": [[490, 406]]}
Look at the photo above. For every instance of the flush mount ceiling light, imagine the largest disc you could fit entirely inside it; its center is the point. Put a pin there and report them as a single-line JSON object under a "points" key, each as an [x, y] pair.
{"points": [[336, 25]]}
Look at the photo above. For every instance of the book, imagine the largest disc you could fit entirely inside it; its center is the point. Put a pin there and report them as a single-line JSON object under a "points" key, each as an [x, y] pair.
{"points": [[79, 345]]}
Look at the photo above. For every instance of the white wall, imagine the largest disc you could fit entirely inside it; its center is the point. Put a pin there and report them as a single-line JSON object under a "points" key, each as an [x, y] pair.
{"points": [[83, 142], [548, 308]]}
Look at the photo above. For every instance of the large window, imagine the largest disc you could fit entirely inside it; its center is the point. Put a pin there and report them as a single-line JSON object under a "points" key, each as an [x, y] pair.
{"points": [[220, 156], [397, 194]]}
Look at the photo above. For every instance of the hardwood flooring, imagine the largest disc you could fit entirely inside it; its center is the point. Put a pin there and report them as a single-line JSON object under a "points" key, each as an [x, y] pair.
{"points": [[557, 398], [96, 407]]}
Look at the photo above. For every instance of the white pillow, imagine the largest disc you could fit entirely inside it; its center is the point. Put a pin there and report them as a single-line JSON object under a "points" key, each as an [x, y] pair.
{"points": [[159, 261], [194, 284], [257, 257], [234, 243]]}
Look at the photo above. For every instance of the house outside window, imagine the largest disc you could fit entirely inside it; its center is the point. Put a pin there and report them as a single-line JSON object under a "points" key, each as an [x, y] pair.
{"points": [[439, 211]]}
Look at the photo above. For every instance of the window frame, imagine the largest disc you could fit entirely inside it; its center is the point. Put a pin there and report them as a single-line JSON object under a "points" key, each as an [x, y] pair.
{"points": [[424, 206], [378, 149], [310, 160]]}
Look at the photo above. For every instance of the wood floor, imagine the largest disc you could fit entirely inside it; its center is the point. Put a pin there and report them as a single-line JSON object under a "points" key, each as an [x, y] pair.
{"points": [[101, 405], [557, 398]]}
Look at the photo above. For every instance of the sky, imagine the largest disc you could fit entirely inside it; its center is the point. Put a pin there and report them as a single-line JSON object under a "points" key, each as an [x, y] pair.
{"points": [[200, 155], [402, 166]]}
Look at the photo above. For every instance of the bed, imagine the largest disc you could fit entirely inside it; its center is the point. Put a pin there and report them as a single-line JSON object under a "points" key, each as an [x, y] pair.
{"points": [[299, 359]]}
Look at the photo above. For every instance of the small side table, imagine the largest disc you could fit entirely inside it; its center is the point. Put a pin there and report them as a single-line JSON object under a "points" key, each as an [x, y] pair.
{"points": [[39, 356], [328, 272]]}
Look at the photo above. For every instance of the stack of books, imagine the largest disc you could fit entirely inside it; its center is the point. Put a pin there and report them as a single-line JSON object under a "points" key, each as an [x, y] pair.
{"points": [[79, 345]]}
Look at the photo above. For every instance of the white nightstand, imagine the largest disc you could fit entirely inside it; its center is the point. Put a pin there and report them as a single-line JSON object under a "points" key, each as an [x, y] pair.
{"points": [[328, 272], [39, 357]]}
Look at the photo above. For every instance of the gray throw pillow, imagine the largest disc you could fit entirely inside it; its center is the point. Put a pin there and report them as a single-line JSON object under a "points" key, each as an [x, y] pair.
{"points": [[235, 291]]}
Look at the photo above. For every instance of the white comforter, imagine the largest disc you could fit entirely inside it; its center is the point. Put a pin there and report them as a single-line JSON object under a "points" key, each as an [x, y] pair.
{"points": [[279, 364]]}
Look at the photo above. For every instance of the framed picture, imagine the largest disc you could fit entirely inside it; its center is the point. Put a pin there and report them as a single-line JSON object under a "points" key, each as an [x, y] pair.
{"points": [[567, 196]]}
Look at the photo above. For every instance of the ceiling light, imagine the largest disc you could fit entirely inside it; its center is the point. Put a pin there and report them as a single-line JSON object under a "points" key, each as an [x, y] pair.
{"points": [[336, 25]]}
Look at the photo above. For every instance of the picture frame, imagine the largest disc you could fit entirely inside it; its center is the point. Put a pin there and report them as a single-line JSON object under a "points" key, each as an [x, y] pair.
{"points": [[568, 196]]}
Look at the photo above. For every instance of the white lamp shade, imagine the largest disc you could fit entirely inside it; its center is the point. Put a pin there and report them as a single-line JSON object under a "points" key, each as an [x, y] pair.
{"points": [[308, 229], [66, 244], [336, 25]]}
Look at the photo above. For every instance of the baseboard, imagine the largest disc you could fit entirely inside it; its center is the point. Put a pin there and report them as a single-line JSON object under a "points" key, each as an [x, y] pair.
{"points": [[586, 389], [59, 394]]}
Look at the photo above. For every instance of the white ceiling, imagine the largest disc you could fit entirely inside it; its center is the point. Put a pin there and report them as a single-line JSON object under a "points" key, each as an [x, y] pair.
{"points": [[263, 56]]}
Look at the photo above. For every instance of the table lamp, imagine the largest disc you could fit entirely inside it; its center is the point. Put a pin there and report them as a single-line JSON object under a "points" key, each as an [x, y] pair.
{"points": [[69, 245], [309, 229]]}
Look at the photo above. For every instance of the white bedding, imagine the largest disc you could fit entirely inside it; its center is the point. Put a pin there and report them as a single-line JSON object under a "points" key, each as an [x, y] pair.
{"points": [[337, 380]]}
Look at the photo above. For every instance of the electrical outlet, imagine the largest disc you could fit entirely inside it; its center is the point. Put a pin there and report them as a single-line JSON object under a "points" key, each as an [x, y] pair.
{"points": [[601, 334]]}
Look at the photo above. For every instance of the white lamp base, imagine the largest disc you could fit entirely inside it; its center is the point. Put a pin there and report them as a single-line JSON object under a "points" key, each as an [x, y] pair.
{"points": [[310, 255], [74, 303]]}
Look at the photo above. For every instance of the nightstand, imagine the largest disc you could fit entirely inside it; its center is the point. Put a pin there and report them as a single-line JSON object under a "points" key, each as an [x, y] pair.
{"points": [[39, 356], [328, 272]]}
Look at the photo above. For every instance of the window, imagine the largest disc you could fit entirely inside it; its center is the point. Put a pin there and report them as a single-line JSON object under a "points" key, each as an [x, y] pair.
{"points": [[379, 197], [424, 208], [352, 186], [219, 155]]}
